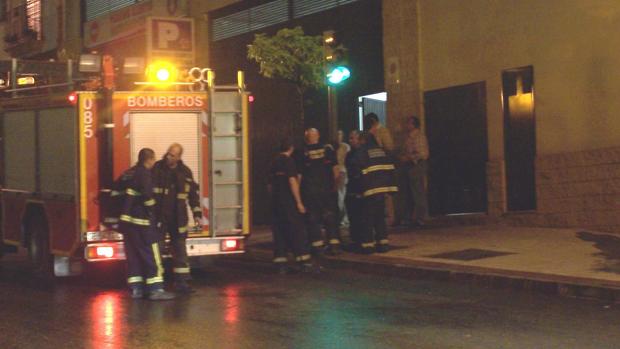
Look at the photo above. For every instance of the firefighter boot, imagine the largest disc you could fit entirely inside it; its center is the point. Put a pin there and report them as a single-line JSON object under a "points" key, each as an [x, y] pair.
{"points": [[283, 269], [382, 248], [161, 295], [309, 268], [137, 292], [181, 286], [333, 250]]}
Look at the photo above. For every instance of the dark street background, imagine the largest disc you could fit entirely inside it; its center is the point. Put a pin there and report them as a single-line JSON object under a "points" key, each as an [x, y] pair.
{"points": [[241, 303]]}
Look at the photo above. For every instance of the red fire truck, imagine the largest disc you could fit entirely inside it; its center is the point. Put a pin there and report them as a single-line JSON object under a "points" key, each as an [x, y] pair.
{"points": [[61, 151]]}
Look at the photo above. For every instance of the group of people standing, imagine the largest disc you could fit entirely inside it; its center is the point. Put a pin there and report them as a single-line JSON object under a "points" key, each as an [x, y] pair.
{"points": [[320, 186], [154, 196]]}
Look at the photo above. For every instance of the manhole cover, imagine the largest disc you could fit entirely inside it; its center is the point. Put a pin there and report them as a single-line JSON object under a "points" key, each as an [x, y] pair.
{"points": [[469, 254]]}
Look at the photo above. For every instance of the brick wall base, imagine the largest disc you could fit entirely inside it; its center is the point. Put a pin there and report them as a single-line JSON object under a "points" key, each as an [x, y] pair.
{"points": [[496, 188], [573, 190], [580, 189]]}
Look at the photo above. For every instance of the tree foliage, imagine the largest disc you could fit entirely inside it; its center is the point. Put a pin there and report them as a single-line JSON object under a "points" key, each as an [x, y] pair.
{"points": [[290, 55]]}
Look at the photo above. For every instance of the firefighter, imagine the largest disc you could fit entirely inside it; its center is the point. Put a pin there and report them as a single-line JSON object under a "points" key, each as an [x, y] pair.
{"points": [[140, 236], [354, 201], [377, 181], [316, 163], [174, 187], [288, 210]]}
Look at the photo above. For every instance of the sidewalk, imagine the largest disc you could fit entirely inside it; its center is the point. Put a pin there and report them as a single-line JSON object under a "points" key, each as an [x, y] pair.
{"points": [[568, 262]]}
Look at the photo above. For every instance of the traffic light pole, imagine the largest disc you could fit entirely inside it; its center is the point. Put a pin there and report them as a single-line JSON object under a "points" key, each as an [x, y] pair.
{"points": [[332, 113]]}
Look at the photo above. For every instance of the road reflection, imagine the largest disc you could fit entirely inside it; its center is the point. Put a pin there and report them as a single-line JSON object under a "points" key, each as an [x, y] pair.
{"points": [[231, 312], [107, 321]]}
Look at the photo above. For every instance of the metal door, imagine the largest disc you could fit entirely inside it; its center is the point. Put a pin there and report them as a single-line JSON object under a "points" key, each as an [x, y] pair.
{"points": [[457, 134]]}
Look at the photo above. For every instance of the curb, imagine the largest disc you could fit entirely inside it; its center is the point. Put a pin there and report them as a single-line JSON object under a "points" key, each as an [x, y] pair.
{"points": [[571, 287]]}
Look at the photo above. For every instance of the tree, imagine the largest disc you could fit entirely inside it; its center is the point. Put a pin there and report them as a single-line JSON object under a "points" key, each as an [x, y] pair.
{"points": [[293, 56]]}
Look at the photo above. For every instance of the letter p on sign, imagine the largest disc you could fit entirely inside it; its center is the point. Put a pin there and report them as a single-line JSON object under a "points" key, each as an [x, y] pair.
{"points": [[167, 32]]}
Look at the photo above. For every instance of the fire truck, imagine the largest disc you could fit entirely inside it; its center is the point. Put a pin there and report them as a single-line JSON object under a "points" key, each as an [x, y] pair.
{"points": [[62, 149]]}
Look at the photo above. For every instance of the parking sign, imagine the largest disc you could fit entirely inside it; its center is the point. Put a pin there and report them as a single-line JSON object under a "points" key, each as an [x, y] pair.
{"points": [[171, 39]]}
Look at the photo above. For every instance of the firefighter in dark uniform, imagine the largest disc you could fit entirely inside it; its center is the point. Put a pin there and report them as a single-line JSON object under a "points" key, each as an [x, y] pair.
{"points": [[137, 224], [354, 200], [288, 210], [316, 163], [378, 179], [174, 188]]}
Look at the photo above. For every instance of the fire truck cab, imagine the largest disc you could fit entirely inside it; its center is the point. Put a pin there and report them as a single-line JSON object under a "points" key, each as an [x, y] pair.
{"points": [[61, 152]]}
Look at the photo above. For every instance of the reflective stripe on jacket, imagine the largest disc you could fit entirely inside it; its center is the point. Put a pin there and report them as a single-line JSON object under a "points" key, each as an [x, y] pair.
{"points": [[378, 172], [174, 188], [135, 188]]}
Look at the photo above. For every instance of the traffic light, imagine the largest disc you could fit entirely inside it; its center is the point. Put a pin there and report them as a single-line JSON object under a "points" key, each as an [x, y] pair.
{"points": [[330, 46], [333, 52], [338, 74]]}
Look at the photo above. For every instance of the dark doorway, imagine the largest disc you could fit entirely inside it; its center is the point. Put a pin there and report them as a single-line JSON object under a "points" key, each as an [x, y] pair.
{"points": [[519, 138], [456, 128]]}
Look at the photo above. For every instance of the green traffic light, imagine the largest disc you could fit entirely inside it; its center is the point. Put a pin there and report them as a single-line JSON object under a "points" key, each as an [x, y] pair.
{"points": [[338, 75]]}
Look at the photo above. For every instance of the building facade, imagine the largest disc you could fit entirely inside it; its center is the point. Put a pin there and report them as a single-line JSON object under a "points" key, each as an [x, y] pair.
{"points": [[543, 76]]}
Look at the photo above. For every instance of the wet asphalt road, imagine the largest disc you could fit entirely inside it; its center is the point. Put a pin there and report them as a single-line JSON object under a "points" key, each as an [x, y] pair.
{"points": [[239, 305]]}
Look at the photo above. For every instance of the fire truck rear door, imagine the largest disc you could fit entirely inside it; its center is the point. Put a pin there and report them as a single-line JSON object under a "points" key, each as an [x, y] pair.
{"points": [[157, 130]]}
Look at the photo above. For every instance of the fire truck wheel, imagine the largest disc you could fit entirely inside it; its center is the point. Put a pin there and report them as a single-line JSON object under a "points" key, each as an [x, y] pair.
{"points": [[41, 260]]}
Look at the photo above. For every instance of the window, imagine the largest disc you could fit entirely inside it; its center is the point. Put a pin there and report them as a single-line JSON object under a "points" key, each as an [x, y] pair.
{"points": [[98, 8], [24, 21], [33, 17], [268, 14], [307, 7], [251, 19]]}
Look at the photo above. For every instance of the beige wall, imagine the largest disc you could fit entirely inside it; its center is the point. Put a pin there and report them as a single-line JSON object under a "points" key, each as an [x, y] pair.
{"points": [[573, 46]]}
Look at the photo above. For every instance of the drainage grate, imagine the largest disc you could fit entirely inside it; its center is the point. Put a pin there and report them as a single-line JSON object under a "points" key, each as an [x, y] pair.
{"points": [[469, 254], [268, 245]]}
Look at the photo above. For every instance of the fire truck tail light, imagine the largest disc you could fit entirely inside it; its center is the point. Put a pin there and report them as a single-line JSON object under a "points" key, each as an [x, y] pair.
{"points": [[72, 98], [102, 252], [105, 251], [231, 245]]}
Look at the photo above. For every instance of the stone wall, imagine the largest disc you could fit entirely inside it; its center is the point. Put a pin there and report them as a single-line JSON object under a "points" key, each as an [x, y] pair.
{"points": [[401, 63], [580, 189]]}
